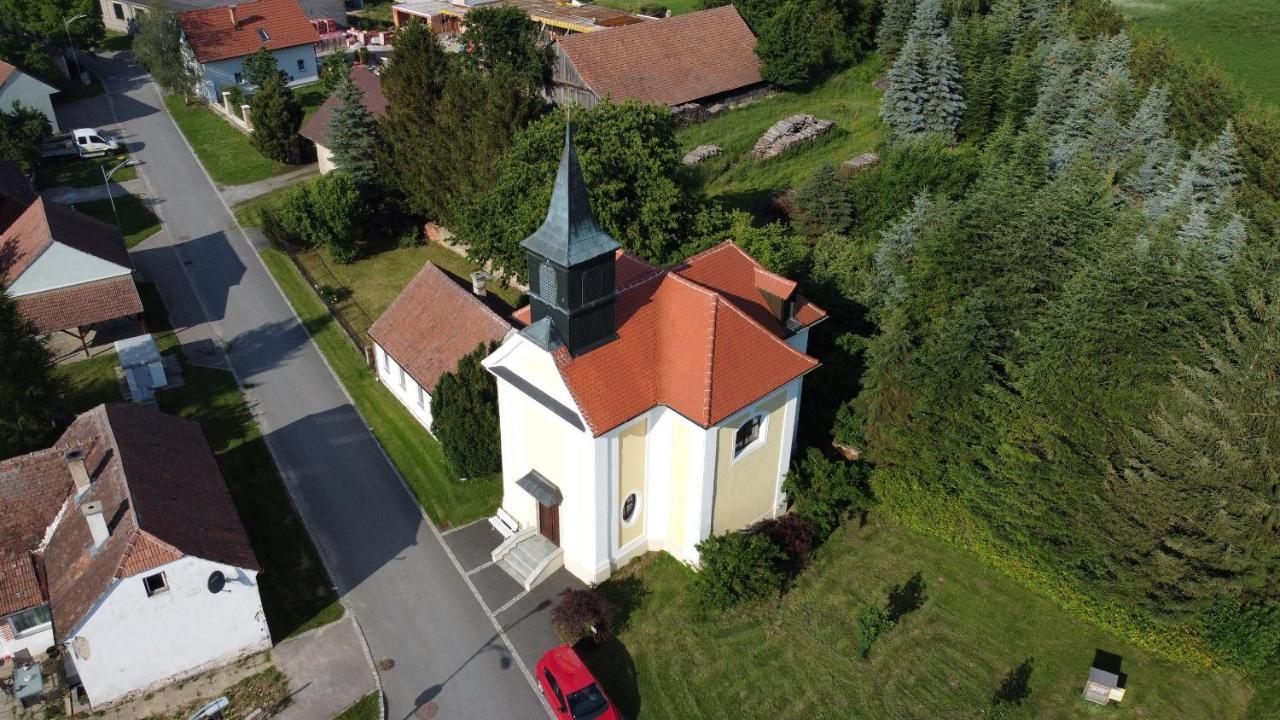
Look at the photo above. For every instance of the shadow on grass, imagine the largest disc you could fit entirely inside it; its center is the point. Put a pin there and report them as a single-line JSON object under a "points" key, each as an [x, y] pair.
{"points": [[611, 663], [1016, 686], [907, 597]]}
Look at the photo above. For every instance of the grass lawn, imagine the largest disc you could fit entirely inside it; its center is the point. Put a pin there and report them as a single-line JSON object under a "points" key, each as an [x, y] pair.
{"points": [[975, 635], [310, 96], [366, 708], [416, 454], [379, 10], [116, 41], [268, 689], [137, 222], [677, 7], [82, 172], [848, 98], [223, 150], [1244, 35]]}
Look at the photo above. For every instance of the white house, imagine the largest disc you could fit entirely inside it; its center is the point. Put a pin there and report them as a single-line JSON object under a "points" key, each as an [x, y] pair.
{"points": [[122, 546], [642, 408], [124, 15], [431, 325], [17, 86], [220, 38]]}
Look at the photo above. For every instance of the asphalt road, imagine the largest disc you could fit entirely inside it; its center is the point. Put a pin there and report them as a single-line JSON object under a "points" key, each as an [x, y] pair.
{"points": [[390, 565]]}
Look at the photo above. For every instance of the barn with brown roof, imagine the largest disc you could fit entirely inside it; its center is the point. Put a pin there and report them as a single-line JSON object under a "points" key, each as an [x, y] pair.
{"points": [[429, 327], [703, 57], [122, 545], [642, 408], [67, 271], [220, 38]]}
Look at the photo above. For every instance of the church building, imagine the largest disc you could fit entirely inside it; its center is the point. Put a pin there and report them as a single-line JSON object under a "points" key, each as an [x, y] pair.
{"points": [[642, 408]]}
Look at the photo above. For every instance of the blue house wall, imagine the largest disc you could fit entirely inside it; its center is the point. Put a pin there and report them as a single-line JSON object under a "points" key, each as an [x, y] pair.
{"points": [[297, 62]]}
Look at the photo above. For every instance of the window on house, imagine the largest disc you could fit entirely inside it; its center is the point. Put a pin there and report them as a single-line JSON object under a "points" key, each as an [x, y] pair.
{"points": [[402, 379], [629, 507], [592, 284], [302, 64], [748, 433], [32, 619], [239, 78], [547, 282], [422, 398], [263, 34], [155, 584], [118, 10]]}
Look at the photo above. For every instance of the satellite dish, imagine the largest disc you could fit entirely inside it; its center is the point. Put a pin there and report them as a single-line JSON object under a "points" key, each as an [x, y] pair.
{"points": [[217, 581]]}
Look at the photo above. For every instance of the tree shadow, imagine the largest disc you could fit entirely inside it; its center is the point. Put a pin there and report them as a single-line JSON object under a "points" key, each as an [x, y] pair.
{"points": [[625, 595], [907, 597], [1016, 686]]}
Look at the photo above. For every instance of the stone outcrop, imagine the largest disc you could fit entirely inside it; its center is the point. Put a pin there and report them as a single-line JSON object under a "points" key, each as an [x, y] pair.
{"points": [[700, 153], [862, 162], [788, 132]]}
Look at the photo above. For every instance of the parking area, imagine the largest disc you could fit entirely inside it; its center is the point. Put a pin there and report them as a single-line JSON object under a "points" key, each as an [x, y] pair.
{"points": [[525, 617]]}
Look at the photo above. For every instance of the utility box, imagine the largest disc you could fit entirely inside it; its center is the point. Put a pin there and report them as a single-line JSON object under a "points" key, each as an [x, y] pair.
{"points": [[1103, 687], [143, 369]]}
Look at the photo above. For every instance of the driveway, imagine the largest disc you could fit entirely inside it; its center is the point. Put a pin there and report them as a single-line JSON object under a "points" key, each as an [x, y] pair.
{"points": [[414, 603]]}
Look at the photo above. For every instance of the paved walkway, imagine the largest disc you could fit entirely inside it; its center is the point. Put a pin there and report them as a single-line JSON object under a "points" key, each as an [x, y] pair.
{"points": [[394, 572], [69, 195], [239, 193], [328, 671]]}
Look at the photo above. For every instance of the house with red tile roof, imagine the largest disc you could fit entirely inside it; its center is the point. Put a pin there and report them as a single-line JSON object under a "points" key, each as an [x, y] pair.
{"points": [[316, 128], [121, 546], [642, 408], [67, 271], [28, 91], [703, 57], [429, 327], [218, 39]]}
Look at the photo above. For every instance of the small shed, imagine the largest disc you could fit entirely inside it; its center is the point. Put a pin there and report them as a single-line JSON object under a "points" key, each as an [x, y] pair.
{"points": [[142, 366], [1103, 687]]}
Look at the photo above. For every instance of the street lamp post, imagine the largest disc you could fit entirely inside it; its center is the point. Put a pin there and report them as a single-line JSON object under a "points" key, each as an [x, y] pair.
{"points": [[106, 182], [66, 26]]}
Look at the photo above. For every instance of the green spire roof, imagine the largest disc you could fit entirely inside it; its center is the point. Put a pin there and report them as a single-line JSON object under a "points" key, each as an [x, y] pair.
{"points": [[570, 235]]}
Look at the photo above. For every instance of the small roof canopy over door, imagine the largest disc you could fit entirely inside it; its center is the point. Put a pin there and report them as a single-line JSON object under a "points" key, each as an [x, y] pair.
{"points": [[542, 489]]}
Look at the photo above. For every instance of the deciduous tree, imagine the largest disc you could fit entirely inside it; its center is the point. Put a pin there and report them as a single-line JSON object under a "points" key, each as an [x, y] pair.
{"points": [[29, 392], [157, 46]]}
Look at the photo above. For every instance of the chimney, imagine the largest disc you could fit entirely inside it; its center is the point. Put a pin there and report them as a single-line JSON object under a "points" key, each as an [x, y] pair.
{"points": [[75, 464], [478, 279], [235, 23], [97, 522]]}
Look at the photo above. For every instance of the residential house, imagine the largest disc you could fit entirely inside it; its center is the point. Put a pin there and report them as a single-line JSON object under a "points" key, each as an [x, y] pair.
{"points": [[431, 325], [220, 38], [642, 408], [27, 90], [122, 547], [704, 57], [448, 17], [316, 128], [124, 15], [67, 271]]}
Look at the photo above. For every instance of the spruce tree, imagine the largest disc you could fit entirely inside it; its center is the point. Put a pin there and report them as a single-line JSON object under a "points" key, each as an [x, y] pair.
{"points": [[895, 22], [30, 394], [886, 279], [1221, 168], [823, 202], [945, 109], [276, 116], [924, 92], [353, 134], [902, 107], [1194, 231], [1229, 240], [1061, 65], [412, 81]]}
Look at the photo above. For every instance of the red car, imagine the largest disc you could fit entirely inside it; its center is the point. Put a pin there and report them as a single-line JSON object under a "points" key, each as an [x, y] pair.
{"points": [[570, 688]]}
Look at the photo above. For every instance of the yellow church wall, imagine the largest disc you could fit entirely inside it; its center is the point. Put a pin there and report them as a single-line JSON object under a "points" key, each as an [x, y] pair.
{"points": [[745, 489], [631, 472]]}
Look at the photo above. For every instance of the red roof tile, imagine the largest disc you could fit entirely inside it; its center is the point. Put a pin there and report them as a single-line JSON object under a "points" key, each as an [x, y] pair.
{"points": [[5, 71], [44, 223], [211, 35], [162, 493], [81, 305], [730, 271], [671, 61], [317, 128], [432, 324]]}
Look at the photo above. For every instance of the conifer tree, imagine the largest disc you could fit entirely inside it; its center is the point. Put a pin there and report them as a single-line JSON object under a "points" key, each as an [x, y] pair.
{"points": [[276, 117], [1062, 62], [886, 280], [1195, 229], [1229, 240], [895, 22], [353, 134], [924, 92], [464, 411], [29, 391], [412, 81], [1221, 168], [823, 201]]}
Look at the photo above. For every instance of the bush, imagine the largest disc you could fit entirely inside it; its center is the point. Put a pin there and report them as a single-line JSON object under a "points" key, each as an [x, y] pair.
{"points": [[324, 213], [737, 566], [410, 238], [582, 614], [654, 10], [825, 491], [793, 535], [872, 623], [1246, 635], [464, 412], [235, 95], [289, 220]]}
